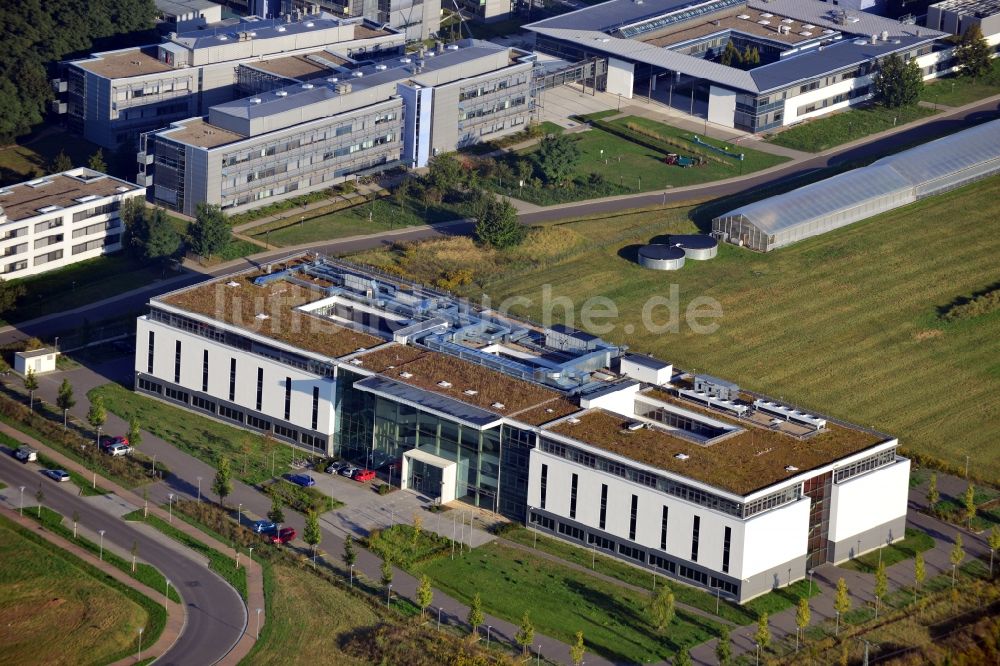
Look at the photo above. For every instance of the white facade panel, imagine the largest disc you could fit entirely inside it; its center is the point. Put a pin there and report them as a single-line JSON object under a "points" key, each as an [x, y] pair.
{"points": [[722, 106], [621, 76], [772, 539], [869, 500]]}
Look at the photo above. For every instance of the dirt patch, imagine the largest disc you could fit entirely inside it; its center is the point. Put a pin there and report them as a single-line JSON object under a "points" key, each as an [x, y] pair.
{"points": [[929, 334]]}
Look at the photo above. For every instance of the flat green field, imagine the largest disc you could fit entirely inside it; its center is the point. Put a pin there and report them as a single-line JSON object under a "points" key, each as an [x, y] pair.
{"points": [[814, 136], [562, 601], [845, 323], [961, 90], [54, 609]]}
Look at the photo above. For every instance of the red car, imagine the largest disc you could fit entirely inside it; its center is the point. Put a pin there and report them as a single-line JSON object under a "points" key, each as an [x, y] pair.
{"points": [[283, 537], [363, 475]]}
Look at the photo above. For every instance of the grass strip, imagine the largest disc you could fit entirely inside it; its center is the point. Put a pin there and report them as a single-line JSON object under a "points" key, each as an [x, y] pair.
{"points": [[221, 564]]}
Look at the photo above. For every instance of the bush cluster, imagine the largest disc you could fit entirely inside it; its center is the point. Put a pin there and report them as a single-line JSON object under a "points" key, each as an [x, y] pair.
{"points": [[301, 499]]}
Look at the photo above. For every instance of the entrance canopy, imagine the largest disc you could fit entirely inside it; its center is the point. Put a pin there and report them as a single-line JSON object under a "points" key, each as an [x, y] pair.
{"points": [[430, 475]]}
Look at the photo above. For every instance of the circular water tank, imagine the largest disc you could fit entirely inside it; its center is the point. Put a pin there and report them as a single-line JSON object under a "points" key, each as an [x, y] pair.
{"points": [[661, 257], [696, 246]]}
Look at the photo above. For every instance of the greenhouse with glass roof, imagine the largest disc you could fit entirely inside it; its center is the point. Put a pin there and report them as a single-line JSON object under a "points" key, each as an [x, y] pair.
{"points": [[890, 182]]}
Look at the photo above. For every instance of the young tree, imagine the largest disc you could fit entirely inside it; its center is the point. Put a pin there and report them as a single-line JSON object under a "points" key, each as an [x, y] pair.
{"points": [[76, 520], [39, 496], [881, 585], [973, 53], [747, 56], [801, 619], [842, 601], [135, 552], [96, 161], [731, 56], [577, 651], [724, 648], [933, 496], [133, 217], [970, 504], [504, 174], [919, 574], [754, 57], [65, 400], [418, 525], [97, 415], [956, 556], [9, 295], [524, 170], [682, 658], [31, 385], [556, 158], [210, 232], [134, 433], [525, 635], [312, 535], [277, 513], [444, 172], [350, 557], [993, 540], [386, 572], [498, 225], [61, 163], [897, 83], [222, 485], [476, 617], [762, 637], [162, 240], [425, 594], [661, 608]]}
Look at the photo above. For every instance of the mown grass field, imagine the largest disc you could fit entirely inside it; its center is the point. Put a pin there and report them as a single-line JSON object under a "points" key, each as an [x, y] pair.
{"points": [[961, 90], [813, 136], [54, 609], [846, 323]]}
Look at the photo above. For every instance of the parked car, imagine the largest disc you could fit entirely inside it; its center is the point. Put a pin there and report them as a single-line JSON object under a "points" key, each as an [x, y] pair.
{"points": [[348, 470], [119, 449], [363, 475], [335, 467], [284, 536], [263, 527], [107, 442], [26, 454], [57, 475], [303, 480]]}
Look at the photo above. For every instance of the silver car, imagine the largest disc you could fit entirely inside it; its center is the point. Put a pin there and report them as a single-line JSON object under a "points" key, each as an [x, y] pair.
{"points": [[58, 475]]}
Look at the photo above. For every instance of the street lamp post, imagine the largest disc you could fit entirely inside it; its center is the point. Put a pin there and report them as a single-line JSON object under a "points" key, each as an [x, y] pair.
{"points": [[251, 553], [199, 489], [439, 618], [170, 506], [488, 630], [101, 556], [239, 515], [352, 575], [538, 655], [21, 508], [388, 595], [166, 594], [718, 593], [138, 654], [258, 622], [811, 581]]}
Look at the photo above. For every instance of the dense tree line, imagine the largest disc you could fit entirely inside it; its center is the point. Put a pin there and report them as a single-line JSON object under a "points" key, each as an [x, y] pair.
{"points": [[34, 35]]}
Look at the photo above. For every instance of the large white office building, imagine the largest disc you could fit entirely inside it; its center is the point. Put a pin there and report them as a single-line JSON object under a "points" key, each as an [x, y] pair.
{"points": [[57, 220], [685, 475]]}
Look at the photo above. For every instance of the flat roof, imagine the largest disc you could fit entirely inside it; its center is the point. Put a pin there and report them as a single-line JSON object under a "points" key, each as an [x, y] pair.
{"points": [[198, 132], [260, 28], [731, 19], [979, 8], [301, 66], [742, 463], [442, 404], [120, 64], [241, 304], [22, 201]]}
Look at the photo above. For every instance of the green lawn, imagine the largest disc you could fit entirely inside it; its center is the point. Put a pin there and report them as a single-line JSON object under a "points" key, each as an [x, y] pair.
{"points": [[914, 542], [813, 136], [80, 284], [961, 90], [31, 156], [404, 546], [819, 323], [562, 601], [222, 564], [238, 248], [384, 214], [208, 440], [953, 509], [57, 609]]}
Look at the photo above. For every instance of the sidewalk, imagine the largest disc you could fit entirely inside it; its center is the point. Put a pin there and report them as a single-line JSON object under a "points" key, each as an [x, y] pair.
{"points": [[176, 613]]}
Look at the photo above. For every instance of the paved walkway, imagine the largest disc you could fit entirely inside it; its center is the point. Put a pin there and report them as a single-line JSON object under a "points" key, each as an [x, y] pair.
{"points": [[176, 613]]}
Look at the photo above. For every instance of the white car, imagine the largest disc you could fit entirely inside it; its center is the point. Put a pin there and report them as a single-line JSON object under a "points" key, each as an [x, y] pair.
{"points": [[26, 454], [119, 449]]}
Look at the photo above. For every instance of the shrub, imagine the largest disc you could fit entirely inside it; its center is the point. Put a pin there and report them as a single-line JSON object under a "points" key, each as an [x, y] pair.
{"points": [[977, 306], [405, 546], [385, 489], [301, 499]]}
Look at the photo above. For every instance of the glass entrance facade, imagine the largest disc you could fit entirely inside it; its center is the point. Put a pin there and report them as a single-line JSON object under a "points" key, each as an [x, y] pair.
{"points": [[424, 478]]}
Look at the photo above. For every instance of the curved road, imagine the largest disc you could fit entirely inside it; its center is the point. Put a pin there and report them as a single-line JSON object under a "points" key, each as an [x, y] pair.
{"points": [[947, 122], [216, 615]]}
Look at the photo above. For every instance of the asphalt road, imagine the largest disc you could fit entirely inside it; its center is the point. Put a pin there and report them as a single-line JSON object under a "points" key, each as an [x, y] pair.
{"points": [[947, 123], [216, 615]]}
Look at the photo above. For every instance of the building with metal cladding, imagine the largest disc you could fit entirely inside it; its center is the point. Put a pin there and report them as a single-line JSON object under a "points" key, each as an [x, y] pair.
{"points": [[419, 20], [57, 220], [313, 123], [690, 477], [957, 16], [114, 96], [893, 181], [812, 57]]}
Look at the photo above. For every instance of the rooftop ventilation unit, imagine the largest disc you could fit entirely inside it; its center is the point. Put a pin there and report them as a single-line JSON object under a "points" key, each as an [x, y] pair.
{"points": [[280, 28], [635, 425], [406, 375], [87, 197], [49, 209], [791, 468], [885, 35], [806, 33], [281, 93], [498, 405], [444, 384], [38, 182], [766, 15], [682, 456], [764, 22], [406, 61], [808, 26], [357, 75], [121, 188], [262, 316], [307, 86], [380, 68], [860, 42], [470, 392], [452, 47], [232, 283], [787, 20], [255, 100], [743, 17], [572, 420], [355, 361]]}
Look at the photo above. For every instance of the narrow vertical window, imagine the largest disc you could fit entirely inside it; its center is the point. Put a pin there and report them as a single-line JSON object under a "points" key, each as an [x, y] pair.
{"points": [[177, 362], [725, 549], [288, 398], [663, 528], [204, 372], [634, 518], [149, 356], [260, 388], [315, 414], [604, 505], [572, 496], [696, 529], [544, 484], [232, 380]]}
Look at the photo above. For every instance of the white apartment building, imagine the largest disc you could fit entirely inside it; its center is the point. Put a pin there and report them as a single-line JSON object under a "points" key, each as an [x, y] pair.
{"points": [[57, 220], [689, 477]]}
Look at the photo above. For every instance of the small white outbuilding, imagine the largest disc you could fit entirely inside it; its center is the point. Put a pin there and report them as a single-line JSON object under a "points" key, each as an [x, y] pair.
{"points": [[38, 361]]}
